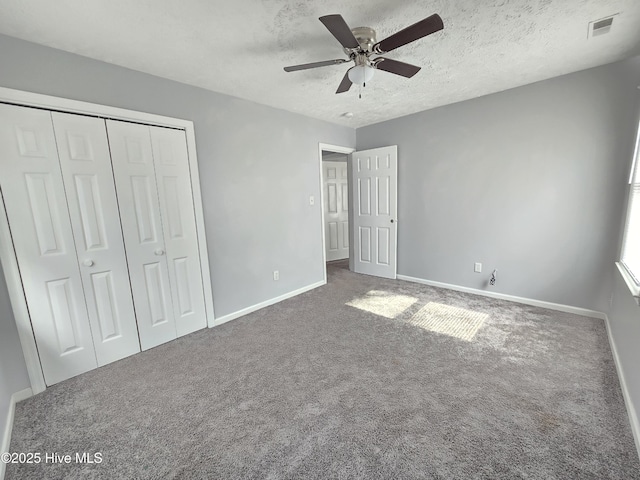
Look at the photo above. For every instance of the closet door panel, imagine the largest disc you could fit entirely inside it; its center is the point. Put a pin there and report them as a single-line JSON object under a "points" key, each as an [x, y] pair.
{"points": [[91, 196], [142, 227], [178, 218], [34, 196]]}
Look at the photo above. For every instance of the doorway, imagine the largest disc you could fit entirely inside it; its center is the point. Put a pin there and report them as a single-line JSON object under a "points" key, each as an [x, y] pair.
{"points": [[336, 206], [366, 231], [335, 199]]}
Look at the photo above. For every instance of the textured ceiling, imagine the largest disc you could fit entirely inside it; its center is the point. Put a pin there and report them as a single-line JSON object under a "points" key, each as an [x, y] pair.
{"points": [[239, 47]]}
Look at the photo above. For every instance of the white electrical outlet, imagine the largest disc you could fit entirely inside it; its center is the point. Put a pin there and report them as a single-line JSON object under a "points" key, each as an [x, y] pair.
{"points": [[477, 267], [276, 275]]}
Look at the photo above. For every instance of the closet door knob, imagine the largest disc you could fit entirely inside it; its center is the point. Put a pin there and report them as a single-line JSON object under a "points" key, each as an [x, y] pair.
{"points": [[88, 263], [159, 252]]}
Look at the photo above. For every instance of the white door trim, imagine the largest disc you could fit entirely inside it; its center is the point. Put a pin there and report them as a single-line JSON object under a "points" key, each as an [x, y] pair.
{"points": [[7, 254], [19, 304], [336, 149], [30, 99]]}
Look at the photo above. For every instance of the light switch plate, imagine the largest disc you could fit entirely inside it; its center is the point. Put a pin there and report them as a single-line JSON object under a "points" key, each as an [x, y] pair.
{"points": [[312, 200]]}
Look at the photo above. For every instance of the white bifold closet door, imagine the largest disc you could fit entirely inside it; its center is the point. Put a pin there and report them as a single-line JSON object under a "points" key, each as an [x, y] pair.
{"points": [[158, 222], [33, 191], [86, 169], [179, 223]]}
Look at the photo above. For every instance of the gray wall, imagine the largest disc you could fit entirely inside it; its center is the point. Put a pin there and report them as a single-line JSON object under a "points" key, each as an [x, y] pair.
{"points": [[529, 181], [13, 372], [258, 167]]}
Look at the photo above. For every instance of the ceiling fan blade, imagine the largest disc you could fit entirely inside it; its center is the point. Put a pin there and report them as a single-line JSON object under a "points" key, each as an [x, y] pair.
{"points": [[306, 66], [410, 34], [394, 66], [345, 84], [339, 29]]}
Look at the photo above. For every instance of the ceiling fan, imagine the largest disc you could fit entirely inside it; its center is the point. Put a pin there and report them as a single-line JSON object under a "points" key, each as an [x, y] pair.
{"points": [[360, 44]]}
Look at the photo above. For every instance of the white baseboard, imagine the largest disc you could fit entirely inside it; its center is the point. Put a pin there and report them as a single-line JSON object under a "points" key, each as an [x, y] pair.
{"points": [[502, 296], [266, 303], [6, 436], [631, 411]]}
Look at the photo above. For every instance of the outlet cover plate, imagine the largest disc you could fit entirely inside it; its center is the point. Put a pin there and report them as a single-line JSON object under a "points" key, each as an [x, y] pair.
{"points": [[477, 267]]}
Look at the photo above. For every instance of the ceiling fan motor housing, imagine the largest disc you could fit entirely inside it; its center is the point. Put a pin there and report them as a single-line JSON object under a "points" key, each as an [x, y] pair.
{"points": [[366, 37]]}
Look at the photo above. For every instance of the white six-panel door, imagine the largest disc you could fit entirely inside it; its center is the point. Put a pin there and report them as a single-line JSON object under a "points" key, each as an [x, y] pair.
{"points": [[374, 183], [171, 161], [133, 169], [33, 191], [86, 168], [336, 209]]}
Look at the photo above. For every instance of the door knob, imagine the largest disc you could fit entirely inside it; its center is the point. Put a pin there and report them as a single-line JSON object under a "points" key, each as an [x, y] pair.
{"points": [[392, 220], [159, 252], [88, 263]]}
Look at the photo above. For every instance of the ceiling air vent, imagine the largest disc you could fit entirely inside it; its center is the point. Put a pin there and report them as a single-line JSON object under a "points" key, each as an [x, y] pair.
{"points": [[600, 27]]}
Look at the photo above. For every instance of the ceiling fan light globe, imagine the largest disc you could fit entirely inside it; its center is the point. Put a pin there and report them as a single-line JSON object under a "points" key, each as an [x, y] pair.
{"points": [[361, 74]]}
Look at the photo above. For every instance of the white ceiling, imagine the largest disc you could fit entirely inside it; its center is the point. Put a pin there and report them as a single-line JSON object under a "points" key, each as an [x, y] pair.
{"points": [[240, 47]]}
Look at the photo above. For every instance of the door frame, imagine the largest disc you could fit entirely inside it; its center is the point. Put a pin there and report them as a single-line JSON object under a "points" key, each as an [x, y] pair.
{"points": [[7, 253], [334, 149]]}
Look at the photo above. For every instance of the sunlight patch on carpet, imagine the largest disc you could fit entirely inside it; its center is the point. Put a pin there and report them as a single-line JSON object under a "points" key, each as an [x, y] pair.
{"points": [[385, 304], [452, 321]]}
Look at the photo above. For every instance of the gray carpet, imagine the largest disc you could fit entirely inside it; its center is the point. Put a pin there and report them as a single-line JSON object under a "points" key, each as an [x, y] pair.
{"points": [[406, 381]]}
